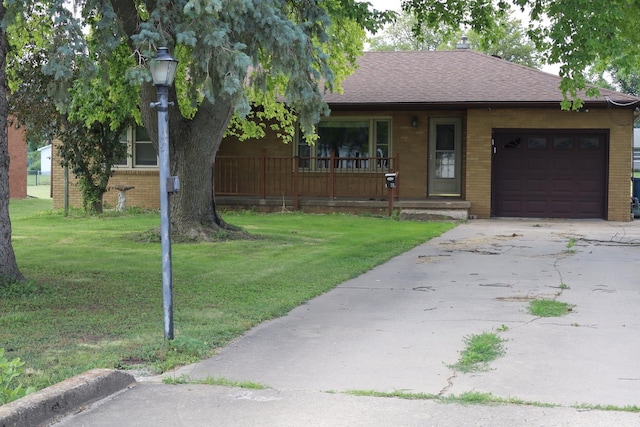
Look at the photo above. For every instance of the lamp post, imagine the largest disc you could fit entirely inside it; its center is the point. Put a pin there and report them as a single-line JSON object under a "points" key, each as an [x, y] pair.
{"points": [[163, 71]]}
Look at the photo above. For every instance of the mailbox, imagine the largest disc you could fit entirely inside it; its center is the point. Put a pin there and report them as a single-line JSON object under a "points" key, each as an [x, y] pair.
{"points": [[390, 180]]}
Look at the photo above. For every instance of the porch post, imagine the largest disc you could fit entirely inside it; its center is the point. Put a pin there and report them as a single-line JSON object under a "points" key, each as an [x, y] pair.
{"points": [[396, 169], [296, 177], [263, 174], [332, 176]]}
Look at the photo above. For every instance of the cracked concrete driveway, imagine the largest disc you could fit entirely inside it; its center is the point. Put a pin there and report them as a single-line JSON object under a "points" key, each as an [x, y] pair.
{"points": [[401, 325]]}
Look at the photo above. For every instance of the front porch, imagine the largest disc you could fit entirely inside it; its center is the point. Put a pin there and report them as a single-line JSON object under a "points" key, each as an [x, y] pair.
{"points": [[421, 210], [323, 185]]}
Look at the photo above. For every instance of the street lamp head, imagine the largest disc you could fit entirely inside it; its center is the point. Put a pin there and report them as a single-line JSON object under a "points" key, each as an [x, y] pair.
{"points": [[163, 68]]}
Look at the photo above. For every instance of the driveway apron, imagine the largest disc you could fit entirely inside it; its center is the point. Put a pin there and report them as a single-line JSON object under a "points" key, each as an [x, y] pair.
{"points": [[402, 325]]}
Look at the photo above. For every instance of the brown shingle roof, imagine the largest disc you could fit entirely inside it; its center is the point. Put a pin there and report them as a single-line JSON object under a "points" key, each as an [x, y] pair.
{"points": [[446, 77]]}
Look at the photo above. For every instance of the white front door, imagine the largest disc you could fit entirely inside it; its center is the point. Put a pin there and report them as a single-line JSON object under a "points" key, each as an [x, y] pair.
{"points": [[445, 141]]}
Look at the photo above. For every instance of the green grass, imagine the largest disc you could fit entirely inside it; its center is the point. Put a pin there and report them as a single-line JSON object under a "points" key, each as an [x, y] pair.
{"points": [[94, 296], [466, 398], [628, 408], [183, 379], [39, 191], [481, 398], [549, 308], [479, 351]]}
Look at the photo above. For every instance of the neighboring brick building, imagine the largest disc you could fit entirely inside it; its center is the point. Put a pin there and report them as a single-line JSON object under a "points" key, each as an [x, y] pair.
{"points": [[462, 129], [18, 163]]}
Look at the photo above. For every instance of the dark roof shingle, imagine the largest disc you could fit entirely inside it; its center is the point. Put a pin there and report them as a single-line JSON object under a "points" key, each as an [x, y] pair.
{"points": [[446, 77]]}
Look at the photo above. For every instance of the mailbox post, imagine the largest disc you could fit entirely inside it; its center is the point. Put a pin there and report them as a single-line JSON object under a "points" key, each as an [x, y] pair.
{"points": [[390, 181]]}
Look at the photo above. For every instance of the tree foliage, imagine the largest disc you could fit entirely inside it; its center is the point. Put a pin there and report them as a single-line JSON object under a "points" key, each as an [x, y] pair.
{"points": [[86, 114], [401, 35], [509, 41]]}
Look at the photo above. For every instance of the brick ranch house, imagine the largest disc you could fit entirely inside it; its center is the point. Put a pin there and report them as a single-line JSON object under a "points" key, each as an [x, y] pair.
{"points": [[464, 131]]}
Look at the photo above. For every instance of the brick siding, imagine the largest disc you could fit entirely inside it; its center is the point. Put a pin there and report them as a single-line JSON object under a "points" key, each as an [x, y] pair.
{"points": [[411, 145], [18, 163]]}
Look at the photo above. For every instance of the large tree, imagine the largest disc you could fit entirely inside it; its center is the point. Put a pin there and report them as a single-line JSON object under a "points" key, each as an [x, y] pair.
{"points": [[8, 266], [236, 57]]}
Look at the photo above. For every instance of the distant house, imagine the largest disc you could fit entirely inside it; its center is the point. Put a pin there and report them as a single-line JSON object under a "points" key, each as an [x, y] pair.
{"points": [[17, 163], [462, 130], [45, 159]]}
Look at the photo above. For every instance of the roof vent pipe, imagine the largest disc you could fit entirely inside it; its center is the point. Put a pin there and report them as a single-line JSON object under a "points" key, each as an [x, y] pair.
{"points": [[463, 44]]}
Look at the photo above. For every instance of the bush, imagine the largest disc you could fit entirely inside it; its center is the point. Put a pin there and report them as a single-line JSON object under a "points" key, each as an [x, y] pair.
{"points": [[10, 370]]}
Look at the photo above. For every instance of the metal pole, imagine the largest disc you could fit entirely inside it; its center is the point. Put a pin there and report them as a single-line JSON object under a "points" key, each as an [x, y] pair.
{"points": [[165, 222], [66, 191]]}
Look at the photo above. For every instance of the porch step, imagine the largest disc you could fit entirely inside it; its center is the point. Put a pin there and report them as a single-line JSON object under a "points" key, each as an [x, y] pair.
{"points": [[435, 214]]}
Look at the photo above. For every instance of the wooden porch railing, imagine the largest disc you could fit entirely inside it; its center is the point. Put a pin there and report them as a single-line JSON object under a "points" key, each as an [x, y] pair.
{"points": [[320, 177]]}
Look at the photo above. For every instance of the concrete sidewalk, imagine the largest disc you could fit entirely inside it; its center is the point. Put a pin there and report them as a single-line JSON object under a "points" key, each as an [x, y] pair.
{"points": [[400, 326]]}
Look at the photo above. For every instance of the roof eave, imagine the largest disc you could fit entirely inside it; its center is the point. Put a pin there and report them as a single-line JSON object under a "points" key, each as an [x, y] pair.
{"points": [[396, 106]]}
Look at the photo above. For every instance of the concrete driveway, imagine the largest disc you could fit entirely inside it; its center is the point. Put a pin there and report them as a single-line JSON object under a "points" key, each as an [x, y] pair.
{"points": [[400, 326]]}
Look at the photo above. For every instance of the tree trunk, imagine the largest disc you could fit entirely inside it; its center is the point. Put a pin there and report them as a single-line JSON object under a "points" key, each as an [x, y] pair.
{"points": [[8, 265], [193, 144]]}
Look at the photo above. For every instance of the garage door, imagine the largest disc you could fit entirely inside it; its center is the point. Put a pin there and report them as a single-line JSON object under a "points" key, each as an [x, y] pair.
{"points": [[551, 174]]}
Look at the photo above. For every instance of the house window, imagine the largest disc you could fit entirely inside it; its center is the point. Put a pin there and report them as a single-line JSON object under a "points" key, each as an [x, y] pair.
{"points": [[445, 151], [353, 142], [590, 143], [144, 152], [537, 144], [141, 152], [563, 143]]}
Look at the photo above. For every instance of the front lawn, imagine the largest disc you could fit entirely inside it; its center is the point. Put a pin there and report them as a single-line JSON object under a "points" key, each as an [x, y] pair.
{"points": [[94, 296]]}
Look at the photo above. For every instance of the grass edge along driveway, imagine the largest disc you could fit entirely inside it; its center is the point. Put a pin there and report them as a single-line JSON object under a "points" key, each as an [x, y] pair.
{"points": [[94, 296]]}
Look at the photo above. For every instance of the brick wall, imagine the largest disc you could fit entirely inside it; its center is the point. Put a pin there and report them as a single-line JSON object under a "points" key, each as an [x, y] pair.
{"points": [[411, 145], [480, 122], [18, 163]]}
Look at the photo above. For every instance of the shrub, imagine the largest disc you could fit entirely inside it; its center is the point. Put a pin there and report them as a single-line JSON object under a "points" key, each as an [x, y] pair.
{"points": [[10, 370]]}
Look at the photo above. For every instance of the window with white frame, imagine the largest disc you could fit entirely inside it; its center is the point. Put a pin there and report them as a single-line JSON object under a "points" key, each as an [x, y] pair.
{"points": [[356, 143], [141, 153], [144, 153]]}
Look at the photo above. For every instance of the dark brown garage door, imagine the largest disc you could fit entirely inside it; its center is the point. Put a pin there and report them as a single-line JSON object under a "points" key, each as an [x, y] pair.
{"points": [[551, 174]]}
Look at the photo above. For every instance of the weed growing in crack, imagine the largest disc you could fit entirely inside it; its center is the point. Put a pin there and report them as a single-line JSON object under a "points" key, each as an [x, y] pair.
{"points": [[549, 308], [184, 379], [570, 246], [628, 408], [466, 398], [480, 350]]}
